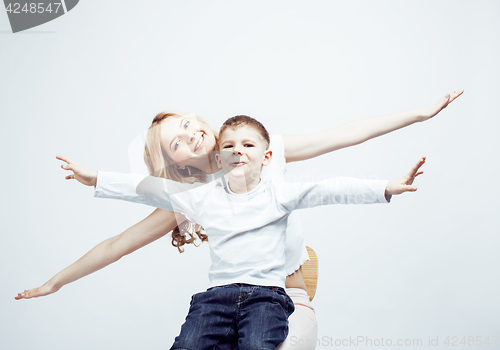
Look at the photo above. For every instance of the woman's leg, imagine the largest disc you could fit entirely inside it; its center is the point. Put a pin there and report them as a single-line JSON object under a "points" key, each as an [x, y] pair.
{"points": [[302, 324]]}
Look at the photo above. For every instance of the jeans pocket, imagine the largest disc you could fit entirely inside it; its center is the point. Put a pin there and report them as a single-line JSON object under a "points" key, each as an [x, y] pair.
{"points": [[288, 306]]}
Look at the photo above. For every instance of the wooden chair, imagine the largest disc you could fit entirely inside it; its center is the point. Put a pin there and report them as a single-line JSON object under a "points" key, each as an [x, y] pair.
{"points": [[310, 273]]}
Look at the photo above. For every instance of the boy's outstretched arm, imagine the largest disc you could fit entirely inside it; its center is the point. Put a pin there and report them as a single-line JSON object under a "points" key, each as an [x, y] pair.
{"points": [[80, 173], [156, 225], [302, 147], [404, 183], [138, 188]]}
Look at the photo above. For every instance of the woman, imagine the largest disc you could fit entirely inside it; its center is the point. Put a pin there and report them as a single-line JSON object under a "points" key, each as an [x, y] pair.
{"points": [[181, 148]]}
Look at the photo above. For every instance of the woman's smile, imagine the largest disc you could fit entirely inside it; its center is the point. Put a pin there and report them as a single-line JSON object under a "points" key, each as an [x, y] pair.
{"points": [[185, 140], [200, 143]]}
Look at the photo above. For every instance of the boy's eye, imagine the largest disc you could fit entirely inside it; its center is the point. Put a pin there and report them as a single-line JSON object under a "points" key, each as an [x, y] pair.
{"points": [[186, 125], [248, 145], [228, 146]]}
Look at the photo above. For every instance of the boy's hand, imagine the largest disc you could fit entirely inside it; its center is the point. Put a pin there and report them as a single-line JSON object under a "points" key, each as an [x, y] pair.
{"points": [[437, 107], [404, 184], [46, 289], [83, 175]]}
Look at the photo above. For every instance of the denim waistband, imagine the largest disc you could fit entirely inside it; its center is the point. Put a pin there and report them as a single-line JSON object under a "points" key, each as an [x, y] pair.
{"points": [[246, 285]]}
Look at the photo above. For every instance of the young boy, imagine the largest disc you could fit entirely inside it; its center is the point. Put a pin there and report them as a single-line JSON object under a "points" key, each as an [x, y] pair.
{"points": [[245, 220]]}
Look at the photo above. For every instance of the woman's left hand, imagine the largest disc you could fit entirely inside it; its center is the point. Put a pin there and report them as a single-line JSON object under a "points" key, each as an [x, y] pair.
{"points": [[405, 183], [437, 107]]}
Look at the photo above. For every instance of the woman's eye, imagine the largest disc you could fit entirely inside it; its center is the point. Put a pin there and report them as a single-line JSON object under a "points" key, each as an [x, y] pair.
{"points": [[186, 125], [176, 145]]}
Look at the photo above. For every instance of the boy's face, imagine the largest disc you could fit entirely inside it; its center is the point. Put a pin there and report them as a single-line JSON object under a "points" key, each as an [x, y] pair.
{"points": [[242, 153]]}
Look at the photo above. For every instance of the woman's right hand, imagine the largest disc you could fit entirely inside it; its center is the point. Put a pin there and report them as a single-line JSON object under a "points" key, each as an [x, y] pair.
{"points": [[156, 225], [46, 289], [83, 175]]}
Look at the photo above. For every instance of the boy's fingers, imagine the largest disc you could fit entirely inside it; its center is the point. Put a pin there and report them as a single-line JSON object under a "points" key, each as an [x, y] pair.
{"points": [[70, 167], [409, 188], [411, 178], [64, 159], [415, 168]]}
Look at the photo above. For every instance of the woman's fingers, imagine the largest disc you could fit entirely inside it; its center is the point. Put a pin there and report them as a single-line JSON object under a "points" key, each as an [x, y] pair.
{"points": [[441, 104], [451, 97], [27, 294], [455, 94], [35, 292], [434, 109]]}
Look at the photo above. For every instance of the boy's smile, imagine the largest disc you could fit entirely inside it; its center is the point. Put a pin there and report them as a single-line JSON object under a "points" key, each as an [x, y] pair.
{"points": [[242, 155]]}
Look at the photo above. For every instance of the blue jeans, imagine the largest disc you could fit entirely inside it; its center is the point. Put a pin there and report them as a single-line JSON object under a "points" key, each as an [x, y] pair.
{"points": [[236, 316]]}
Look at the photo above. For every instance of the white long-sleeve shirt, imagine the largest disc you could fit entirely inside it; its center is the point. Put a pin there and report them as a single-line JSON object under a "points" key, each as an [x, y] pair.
{"points": [[246, 232], [295, 249]]}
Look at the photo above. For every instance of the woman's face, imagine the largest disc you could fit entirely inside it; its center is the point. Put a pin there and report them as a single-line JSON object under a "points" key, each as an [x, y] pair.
{"points": [[186, 140]]}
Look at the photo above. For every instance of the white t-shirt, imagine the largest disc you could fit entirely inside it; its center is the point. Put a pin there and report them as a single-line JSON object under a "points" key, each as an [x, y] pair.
{"points": [[246, 232], [295, 248]]}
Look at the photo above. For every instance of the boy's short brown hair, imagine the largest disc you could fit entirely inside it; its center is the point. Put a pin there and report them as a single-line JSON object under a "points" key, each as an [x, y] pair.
{"points": [[244, 120]]}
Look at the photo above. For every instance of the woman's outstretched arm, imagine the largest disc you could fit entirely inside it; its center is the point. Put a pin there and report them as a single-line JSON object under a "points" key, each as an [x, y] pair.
{"points": [[156, 225], [302, 147]]}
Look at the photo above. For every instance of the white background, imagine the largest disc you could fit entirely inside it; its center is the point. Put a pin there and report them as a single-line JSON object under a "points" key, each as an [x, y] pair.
{"points": [[86, 84]]}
